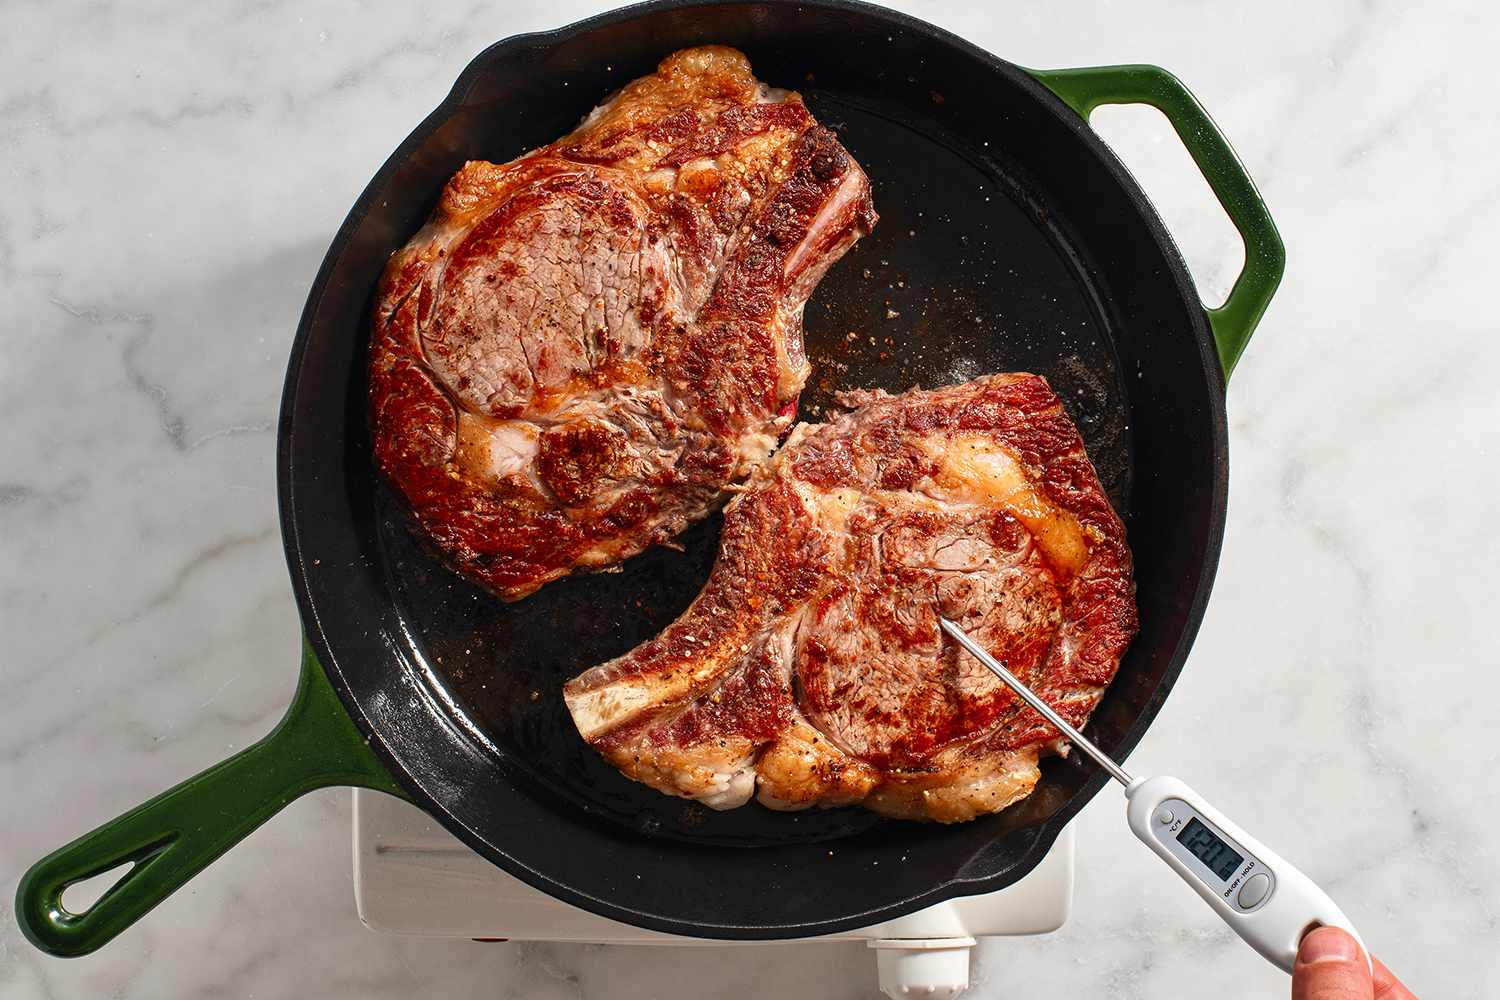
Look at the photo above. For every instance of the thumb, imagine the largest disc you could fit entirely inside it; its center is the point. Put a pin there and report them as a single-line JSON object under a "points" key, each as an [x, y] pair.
{"points": [[1330, 966]]}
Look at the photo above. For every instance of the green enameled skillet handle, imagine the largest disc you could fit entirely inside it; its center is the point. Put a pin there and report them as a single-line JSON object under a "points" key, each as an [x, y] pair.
{"points": [[177, 834], [1232, 323]]}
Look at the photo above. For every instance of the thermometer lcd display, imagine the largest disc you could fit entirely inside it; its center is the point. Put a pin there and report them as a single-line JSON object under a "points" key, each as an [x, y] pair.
{"points": [[1209, 849]]}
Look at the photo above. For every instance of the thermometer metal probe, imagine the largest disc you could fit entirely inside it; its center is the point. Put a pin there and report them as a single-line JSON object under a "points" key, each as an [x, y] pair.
{"points": [[1264, 899]]}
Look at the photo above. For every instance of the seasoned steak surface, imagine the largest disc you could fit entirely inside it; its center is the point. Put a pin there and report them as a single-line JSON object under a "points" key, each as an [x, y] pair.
{"points": [[583, 347], [811, 669]]}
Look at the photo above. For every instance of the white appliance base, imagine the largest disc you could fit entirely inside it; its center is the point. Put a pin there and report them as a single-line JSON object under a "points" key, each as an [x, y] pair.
{"points": [[413, 877]]}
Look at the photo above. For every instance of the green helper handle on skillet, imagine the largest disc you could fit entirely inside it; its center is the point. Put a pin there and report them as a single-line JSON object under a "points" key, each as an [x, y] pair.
{"points": [[1232, 323], [177, 834]]}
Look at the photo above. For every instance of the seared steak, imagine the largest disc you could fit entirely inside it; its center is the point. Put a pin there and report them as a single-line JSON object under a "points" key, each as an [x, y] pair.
{"points": [[586, 345], [811, 669]]}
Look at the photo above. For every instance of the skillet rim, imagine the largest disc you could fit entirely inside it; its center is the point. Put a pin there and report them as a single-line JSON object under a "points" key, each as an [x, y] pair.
{"points": [[416, 789]]}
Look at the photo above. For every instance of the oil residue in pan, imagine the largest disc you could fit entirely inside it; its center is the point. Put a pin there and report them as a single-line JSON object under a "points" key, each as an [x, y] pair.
{"points": [[961, 277], [965, 274]]}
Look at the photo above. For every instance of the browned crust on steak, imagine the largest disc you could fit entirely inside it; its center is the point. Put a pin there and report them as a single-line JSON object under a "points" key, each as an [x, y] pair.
{"points": [[583, 347], [811, 669]]}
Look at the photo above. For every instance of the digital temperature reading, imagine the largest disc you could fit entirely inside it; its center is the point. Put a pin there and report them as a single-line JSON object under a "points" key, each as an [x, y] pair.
{"points": [[1209, 849]]}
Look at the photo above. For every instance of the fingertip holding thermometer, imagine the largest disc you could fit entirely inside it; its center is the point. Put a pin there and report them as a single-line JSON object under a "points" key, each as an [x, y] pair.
{"points": [[1262, 897]]}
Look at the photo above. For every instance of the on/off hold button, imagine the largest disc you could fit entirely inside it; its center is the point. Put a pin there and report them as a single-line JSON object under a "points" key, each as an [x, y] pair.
{"points": [[1254, 890]]}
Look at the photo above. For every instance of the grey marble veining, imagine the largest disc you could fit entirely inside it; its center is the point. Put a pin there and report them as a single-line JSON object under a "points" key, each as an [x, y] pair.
{"points": [[173, 174]]}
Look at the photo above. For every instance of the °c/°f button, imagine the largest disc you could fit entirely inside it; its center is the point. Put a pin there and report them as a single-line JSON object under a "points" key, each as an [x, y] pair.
{"points": [[1254, 890], [1165, 816]]}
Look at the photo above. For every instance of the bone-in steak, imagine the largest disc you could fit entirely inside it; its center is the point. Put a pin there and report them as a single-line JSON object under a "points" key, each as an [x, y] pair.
{"points": [[811, 669], [586, 345]]}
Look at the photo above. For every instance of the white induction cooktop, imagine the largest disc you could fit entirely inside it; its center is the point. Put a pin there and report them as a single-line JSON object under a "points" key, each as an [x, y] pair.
{"points": [[413, 877]]}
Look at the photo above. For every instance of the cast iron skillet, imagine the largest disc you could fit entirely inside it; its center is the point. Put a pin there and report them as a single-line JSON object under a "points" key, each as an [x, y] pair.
{"points": [[1010, 239]]}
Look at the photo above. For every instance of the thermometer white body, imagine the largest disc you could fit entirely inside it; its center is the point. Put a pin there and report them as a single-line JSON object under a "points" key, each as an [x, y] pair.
{"points": [[1262, 898]]}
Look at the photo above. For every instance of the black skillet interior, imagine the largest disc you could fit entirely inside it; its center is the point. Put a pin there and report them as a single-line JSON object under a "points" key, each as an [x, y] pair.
{"points": [[1009, 239]]}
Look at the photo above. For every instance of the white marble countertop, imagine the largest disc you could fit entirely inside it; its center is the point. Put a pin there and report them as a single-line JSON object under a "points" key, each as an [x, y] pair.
{"points": [[174, 172]]}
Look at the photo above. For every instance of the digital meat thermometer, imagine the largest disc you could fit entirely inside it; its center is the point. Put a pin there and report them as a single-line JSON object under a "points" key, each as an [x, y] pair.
{"points": [[1263, 898]]}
